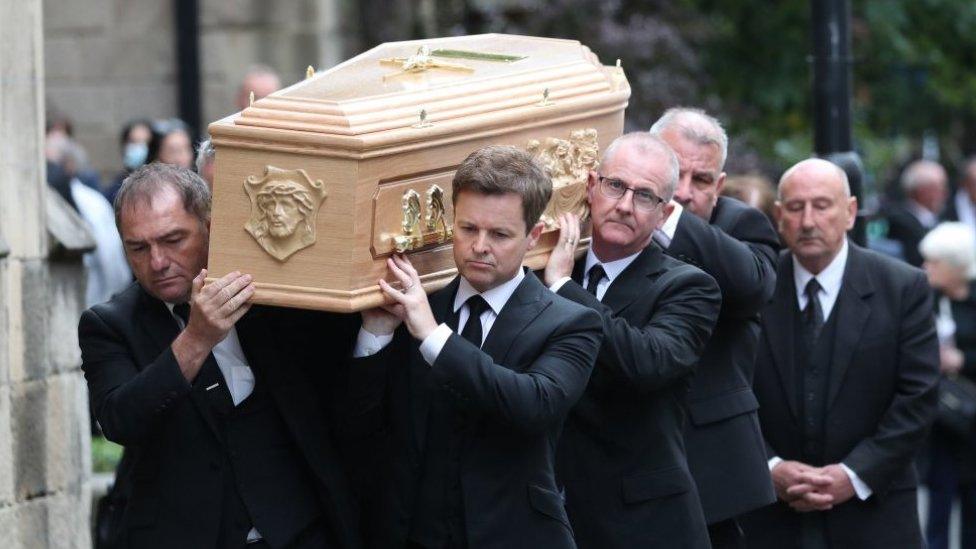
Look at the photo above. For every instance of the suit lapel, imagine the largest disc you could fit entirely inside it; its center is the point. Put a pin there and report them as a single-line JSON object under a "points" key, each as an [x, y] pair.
{"points": [[778, 325], [520, 309], [854, 309], [162, 329], [442, 305], [632, 282]]}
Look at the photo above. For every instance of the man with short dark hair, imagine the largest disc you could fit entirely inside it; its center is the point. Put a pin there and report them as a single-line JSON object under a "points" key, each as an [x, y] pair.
{"points": [[467, 399], [737, 246], [846, 378], [621, 456], [226, 441]]}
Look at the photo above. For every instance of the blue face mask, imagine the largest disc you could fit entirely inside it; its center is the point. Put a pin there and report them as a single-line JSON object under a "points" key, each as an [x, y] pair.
{"points": [[135, 155]]}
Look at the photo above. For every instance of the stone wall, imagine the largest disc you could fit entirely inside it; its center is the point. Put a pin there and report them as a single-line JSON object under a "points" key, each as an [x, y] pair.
{"points": [[44, 441], [109, 61]]}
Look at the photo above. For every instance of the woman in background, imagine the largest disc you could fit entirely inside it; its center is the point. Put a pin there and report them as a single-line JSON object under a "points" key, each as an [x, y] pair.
{"points": [[171, 144], [949, 251]]}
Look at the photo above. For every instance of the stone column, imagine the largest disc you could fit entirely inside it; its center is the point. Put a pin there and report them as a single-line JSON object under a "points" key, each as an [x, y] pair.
{"points": [[45, 458]]}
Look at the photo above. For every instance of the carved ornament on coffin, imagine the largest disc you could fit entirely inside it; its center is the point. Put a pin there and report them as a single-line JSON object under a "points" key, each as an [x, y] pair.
{"points": [[568, 162], [284, 205], [438, 227]]}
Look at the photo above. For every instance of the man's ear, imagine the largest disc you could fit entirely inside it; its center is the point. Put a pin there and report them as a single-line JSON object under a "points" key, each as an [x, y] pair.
{"points": [[592, 180], [666, 210], [535, 234], [720, 183], [852, 212]]}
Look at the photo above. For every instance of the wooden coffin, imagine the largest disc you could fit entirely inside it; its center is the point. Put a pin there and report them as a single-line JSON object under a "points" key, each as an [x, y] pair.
{"points": [[318, 183]]}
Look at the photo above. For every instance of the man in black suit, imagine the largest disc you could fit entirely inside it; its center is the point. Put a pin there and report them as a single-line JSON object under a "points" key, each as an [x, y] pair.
{"points": [[469, 398], [226, 441], [737, 246], [846, 378], [622, 456], [924, 183]]}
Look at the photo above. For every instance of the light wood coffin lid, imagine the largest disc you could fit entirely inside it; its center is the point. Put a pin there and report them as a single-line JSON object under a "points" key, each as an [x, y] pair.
{"points": [[352, 112]]}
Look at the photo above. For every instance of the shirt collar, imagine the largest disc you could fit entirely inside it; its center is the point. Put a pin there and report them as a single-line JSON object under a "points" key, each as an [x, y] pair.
{"points": [[612, 268], [830, 278], [923, 215], [496, 297]]}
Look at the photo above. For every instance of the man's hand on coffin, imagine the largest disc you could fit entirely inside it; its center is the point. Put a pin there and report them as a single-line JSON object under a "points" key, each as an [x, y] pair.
{"points": [[214, 309], [561, 258], [409, 303], [382, 320]]}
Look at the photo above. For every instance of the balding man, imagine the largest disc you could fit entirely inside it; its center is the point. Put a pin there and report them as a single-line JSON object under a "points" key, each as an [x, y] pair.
{"points": [[924, 184], [846, 378], [737, 245], [259, 79]]}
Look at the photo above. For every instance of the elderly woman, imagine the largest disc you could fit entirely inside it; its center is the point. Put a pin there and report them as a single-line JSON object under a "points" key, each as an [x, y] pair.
{"points": [[949, 251]]}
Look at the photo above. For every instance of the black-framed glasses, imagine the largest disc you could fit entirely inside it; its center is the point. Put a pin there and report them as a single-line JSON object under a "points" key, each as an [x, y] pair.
{"points": [[614, 188]]}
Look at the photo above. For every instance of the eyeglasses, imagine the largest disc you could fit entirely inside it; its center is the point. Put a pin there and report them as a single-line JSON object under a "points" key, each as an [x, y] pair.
{"points": [[614, 188]]}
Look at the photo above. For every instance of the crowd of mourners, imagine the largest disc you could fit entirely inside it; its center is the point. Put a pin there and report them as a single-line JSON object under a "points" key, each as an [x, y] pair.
{"points": [[721, 367]]}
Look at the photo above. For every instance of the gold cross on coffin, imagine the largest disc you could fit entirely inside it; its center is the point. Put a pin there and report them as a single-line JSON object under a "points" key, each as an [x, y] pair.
{"points": [[421, 61]]}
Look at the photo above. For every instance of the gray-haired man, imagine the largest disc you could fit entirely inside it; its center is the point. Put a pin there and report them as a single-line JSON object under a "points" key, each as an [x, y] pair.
{"points": [[737, 246]]}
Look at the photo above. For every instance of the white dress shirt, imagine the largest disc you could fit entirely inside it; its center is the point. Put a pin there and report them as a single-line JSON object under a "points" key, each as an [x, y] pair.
{"points": [[831, 280], [922, 214], [611, 268], [368, 343], [237, 373], [665, 234], [232, 363], [965, 209]]}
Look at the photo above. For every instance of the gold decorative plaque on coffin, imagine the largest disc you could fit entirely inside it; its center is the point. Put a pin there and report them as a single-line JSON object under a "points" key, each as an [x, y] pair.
{"points": [[318, 183]]}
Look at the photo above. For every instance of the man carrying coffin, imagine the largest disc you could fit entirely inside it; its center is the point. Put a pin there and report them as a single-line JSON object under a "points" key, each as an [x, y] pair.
{"points": [[622, 455], [467, 398], [226, 438], [737, 245]]}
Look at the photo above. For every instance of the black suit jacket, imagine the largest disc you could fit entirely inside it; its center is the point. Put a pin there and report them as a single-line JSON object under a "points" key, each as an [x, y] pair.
{"points": [[173, 453], [621, 457], [904, 227], [724, 443], [518, 387], [881, 399]]}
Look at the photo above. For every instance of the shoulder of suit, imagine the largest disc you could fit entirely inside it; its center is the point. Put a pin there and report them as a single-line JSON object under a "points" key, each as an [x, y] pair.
{"points": [[122, 303], [565, 309], [730, 209], [677, 269], [881, 263]]}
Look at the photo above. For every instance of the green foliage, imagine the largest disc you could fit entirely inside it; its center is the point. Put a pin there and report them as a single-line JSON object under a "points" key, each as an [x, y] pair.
{"points": [[105, 455], [748, 62]]}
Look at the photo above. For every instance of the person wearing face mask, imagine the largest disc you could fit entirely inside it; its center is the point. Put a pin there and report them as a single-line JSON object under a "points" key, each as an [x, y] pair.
{"points": [[134, 145]]}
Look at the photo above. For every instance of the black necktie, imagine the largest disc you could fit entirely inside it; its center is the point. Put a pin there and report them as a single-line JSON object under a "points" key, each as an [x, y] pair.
{"points": [[472, 328], [813, 317], [596, 275], [183, 311]]}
